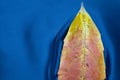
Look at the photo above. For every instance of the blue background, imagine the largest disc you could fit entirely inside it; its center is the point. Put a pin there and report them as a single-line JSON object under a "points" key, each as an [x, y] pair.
{"points": [[29, 29]]}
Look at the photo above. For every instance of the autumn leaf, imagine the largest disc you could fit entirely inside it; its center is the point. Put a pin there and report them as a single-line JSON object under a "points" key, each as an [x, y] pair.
{"points": [[82, 53]]}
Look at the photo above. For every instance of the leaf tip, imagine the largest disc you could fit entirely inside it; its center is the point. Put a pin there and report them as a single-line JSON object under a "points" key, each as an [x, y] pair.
{"points": [[82, 9]]}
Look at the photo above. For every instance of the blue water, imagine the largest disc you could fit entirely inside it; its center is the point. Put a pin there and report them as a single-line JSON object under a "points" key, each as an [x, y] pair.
{"points": [[31, 34]]}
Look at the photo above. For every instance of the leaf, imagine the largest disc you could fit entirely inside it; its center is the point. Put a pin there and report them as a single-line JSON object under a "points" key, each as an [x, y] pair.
{"points": [[82, 53]]}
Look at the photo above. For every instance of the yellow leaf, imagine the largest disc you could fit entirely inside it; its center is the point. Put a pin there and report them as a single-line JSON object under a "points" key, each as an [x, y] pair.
{"points": [[82, 53]]}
